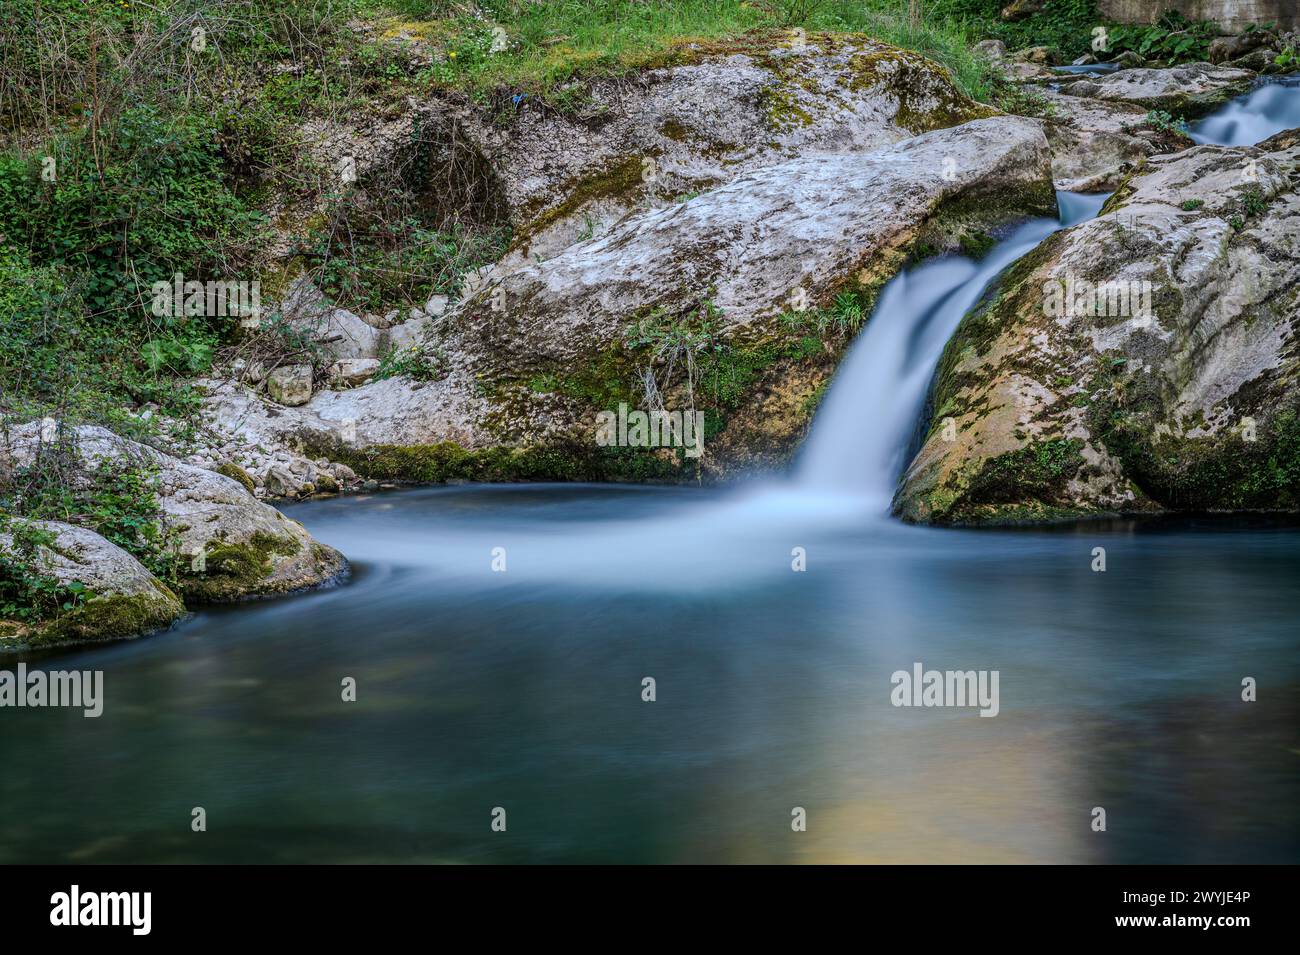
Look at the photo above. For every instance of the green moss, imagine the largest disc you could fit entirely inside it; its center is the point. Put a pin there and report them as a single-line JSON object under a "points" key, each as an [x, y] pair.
{"points": [[976, 244], [232, 571], [674, 130], [780, 106], [928, 97], [111, 617], [567, 461], [234, 471], [617, 178], [1220, 472], [1028, 484]]}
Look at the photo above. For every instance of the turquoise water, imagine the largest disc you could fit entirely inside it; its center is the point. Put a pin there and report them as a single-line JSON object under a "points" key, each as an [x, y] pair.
{"points": [[522, 690]]}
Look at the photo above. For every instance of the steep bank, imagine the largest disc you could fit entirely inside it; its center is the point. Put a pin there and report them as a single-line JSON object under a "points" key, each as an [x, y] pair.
{"points": [[1146, 360]]}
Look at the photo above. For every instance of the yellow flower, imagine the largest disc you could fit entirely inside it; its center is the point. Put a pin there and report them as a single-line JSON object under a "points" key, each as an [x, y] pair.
{"points": [[451, 55]]}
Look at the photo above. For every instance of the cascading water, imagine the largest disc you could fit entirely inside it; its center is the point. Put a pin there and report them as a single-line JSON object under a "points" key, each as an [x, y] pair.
{"points": [[1267, 110], [863, 429]]}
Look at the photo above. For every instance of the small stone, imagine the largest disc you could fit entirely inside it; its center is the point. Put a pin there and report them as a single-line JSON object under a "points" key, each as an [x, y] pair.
{"points": [[351, 372], [290, 385]]}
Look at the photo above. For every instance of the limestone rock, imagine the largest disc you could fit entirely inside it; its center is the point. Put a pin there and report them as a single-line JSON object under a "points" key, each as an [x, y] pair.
{"points": [[126, 600], [1094, 143], [246, 547], [290, 385], [351, 372], [819, 226], [1109, 406], [342, 333], [1188, 90]]}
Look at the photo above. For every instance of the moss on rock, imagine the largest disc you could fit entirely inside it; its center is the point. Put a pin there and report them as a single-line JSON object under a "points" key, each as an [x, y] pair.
{"points": [[101, 619], [234, 471]]}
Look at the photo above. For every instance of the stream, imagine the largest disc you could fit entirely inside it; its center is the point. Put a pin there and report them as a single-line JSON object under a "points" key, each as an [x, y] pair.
{"points": [[522, 688]]}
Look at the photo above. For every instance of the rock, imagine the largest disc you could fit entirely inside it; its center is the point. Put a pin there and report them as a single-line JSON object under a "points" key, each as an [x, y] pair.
{"points": [[351, 372], [239, 474], [325, 483], [290, 385], [280, 483], [246, 548], [990, 49], [344, 474], [824, 225], [406, 334], [818, 224], [1188, 90], [1042, 55], [126, 599], [1261, 61], [1022, 71], [721, 111], [1226, 48], [1095, 143], [1130, 60], [1190, 404], [342, 333], [1230, 15], [436, 305], [1021, 9], [1086, 60]]}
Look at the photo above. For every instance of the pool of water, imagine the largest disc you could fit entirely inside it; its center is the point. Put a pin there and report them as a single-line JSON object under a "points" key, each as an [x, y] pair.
{"points": [[522, 689]]}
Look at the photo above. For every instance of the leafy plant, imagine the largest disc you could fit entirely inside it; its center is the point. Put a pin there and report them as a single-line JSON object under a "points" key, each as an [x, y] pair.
{"points": [[27, 594], [1172, 38]]}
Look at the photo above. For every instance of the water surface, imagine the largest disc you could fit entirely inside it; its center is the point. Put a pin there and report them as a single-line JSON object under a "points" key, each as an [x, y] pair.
{"points": [[522, 690]]}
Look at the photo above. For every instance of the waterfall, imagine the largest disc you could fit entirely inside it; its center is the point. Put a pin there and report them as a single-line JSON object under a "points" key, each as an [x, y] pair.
{"points": [[863, 430]]}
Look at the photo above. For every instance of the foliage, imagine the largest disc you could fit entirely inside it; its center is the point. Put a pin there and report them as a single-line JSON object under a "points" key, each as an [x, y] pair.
{"points": [[412, 362], [1165, 122], [367, 260], [27, 594], [1063, 25], [1172, 39], [116, 499]]}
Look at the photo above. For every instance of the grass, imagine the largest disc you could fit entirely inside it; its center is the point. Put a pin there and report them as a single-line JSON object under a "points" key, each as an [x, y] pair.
{"points": [[541, 47]]}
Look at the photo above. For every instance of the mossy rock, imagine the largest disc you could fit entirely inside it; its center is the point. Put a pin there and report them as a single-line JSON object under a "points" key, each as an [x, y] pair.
{"points": [[231, 470], [100, 619]]}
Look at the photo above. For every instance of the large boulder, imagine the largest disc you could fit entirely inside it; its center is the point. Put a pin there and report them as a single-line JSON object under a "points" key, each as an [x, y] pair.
{"points": [[1079, 390], [1188, 90], [756, 266], [120, 600], [713, 112], [815, 225], [231, 545], [1095, 143]]}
